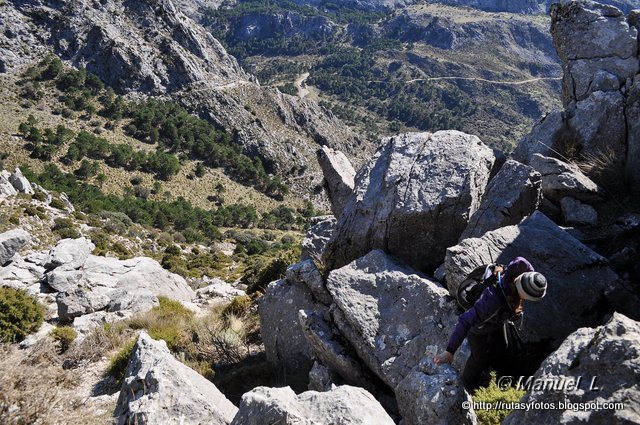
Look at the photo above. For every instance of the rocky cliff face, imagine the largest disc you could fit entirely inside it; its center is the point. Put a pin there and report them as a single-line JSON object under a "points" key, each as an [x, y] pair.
{"points": [[598, 46], [152, 48]]}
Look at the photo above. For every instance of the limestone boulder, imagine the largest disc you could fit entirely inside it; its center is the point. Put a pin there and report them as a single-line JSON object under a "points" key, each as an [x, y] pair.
{"points": [[307, 273], [341, 405], [560, 179], [104, 283], [158, 389], [72, 253], [390, 315], [542, 138], [430, 394], [218, 288], [20, 182], [601, 365], [329, 348], [283, 337], [513, 194], [6, 188], [575, 212], [11, 242], [419, 187], [21, 274]]}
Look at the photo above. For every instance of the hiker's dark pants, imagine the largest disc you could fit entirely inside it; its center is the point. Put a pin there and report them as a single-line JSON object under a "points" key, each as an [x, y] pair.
{"points": [[484, 350]]}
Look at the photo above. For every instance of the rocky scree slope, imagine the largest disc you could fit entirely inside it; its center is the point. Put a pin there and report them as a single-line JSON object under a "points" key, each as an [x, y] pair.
{"points": [[152, 48]]}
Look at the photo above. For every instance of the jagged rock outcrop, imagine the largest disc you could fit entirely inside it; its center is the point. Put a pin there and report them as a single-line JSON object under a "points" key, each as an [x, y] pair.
{"points": [[284, 340], [104, 288], [104, 283], [20, 182], [560, 179], [513, 194], [341, 405], [6, 188], [158, 389], [535, 7], [261, 25], [339, 177], [598, 47], [317, 237], [419, 187], [574, 272], [600, 365], [12, 242]]}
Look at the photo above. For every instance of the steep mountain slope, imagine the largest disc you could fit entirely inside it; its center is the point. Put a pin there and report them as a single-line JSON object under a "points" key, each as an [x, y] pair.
{"points": [[152, 48]]}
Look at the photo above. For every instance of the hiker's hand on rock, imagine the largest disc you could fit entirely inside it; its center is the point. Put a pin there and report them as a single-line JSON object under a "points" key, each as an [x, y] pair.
{"points": [[444, 357]]}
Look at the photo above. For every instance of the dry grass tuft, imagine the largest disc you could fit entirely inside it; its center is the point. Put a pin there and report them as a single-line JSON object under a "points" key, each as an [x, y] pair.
{"points": [[604, 168], [34, 389]]}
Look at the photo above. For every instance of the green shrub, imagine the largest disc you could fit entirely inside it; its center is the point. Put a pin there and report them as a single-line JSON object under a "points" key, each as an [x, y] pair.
{"points": [[64, 228], [39, 196], [118, 363], [493, 394], [33, 211], [257, 279], [121, 251], [57, 204], [64, 336], [20, 315]]}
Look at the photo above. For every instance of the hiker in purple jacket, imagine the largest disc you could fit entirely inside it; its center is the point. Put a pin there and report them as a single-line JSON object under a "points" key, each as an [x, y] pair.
{"points": [[482, 323]]}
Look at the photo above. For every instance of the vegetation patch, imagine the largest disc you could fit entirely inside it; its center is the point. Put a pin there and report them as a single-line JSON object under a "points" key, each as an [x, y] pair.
{"points": [[64, 336], [167, 126], [20, 315], [493, 394]]}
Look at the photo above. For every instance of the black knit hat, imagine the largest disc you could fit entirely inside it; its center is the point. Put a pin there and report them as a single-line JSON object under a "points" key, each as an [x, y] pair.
{"points": [[531, 286]]}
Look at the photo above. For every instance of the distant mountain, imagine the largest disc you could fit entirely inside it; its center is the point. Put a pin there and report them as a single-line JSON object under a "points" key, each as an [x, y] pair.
{"points": [[513, 6], [421, 67]]}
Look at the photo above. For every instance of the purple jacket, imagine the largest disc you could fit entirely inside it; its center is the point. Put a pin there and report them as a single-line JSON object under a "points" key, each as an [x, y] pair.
{"points": [[490, 310]]}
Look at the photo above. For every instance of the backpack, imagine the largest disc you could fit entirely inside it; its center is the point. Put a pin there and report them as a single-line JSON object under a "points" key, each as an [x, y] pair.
{"points": [[476, 282], [471, 289]]}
